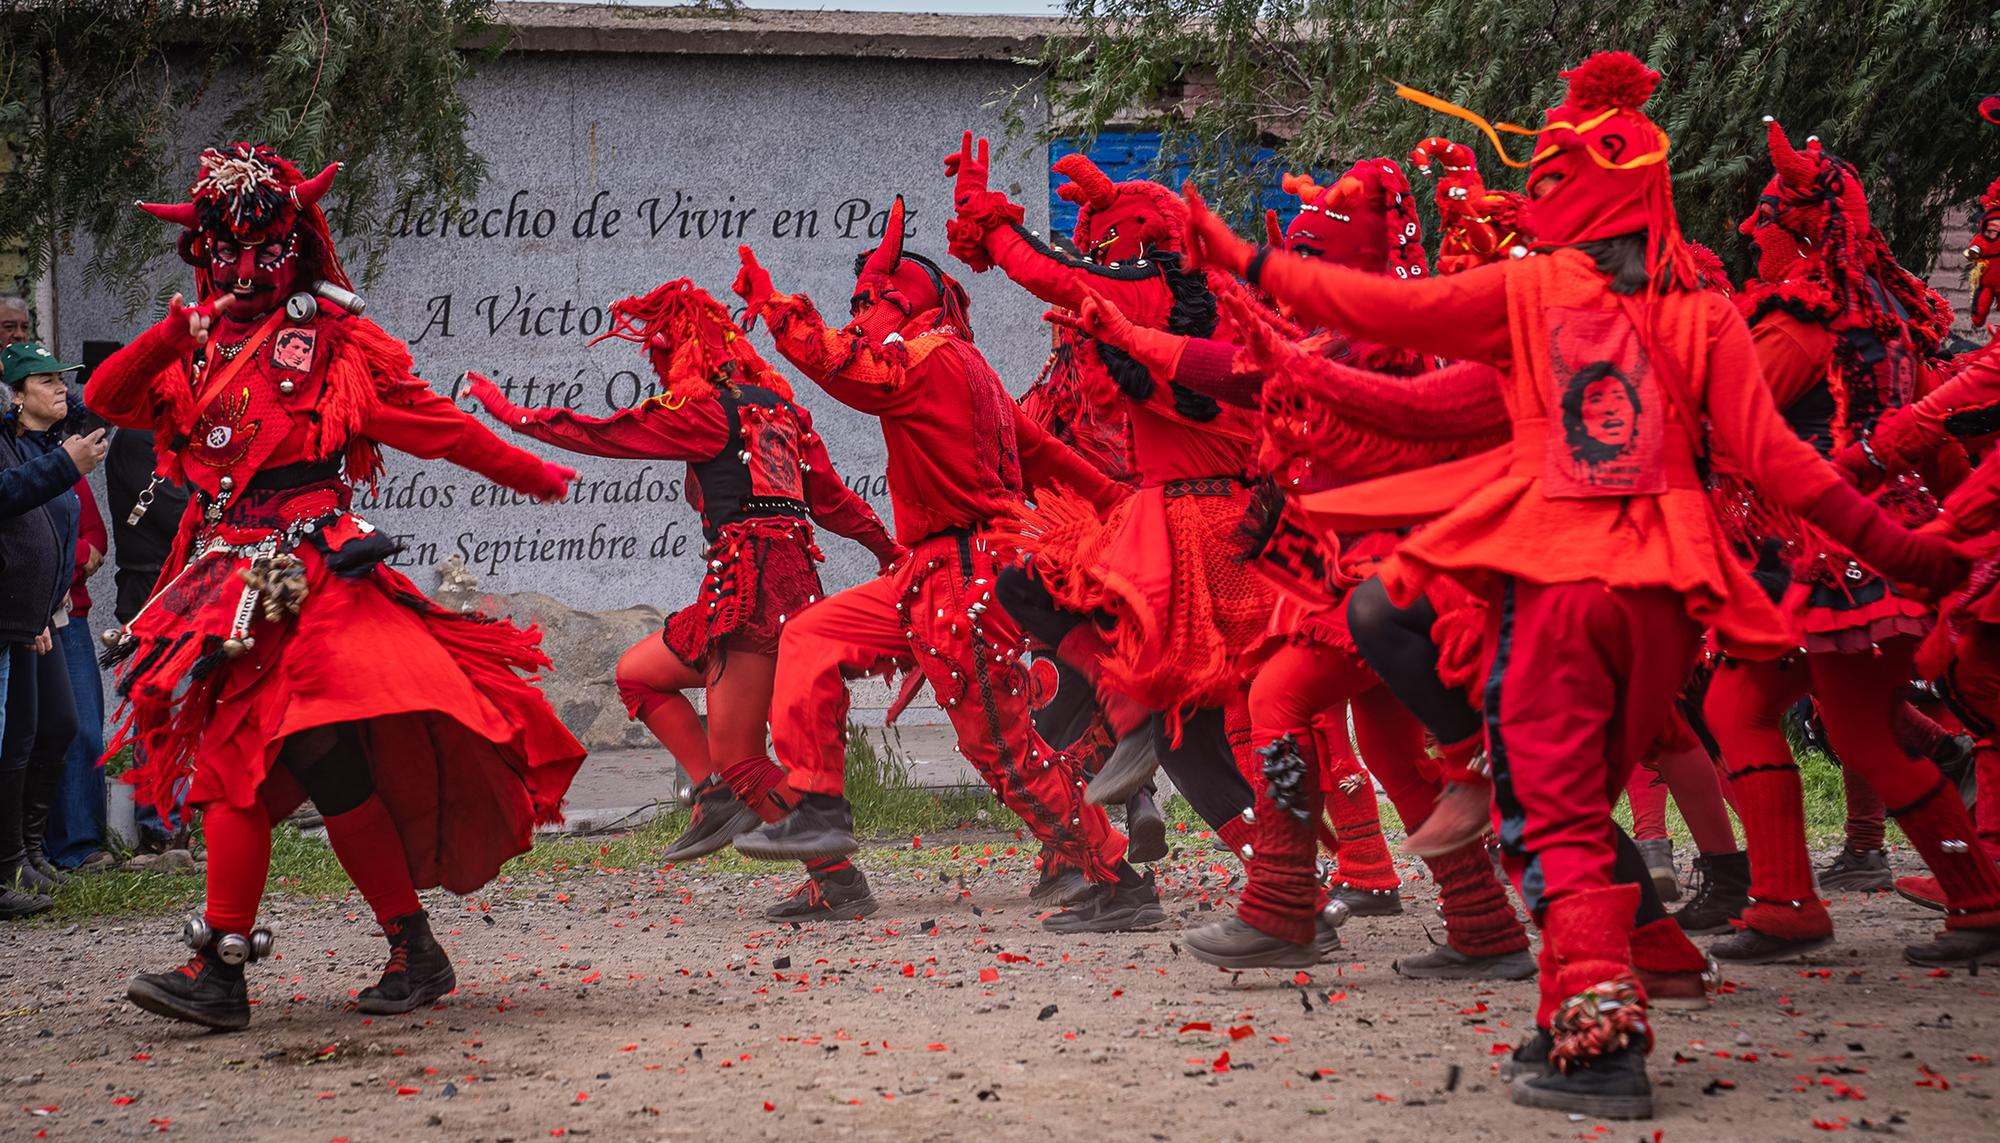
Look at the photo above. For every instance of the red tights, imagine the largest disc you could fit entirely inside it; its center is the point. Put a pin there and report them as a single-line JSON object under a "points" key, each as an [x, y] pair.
{"points": [[653, 681]]}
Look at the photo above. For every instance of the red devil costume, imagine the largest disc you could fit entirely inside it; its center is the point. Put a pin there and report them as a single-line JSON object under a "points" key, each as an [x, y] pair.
{"points": [[1161, 569], [1982, 255], [1334, 411], [279, 658], [1843, 334], [760, 477], [1589, 536], [1477, 225], [961, 455]]}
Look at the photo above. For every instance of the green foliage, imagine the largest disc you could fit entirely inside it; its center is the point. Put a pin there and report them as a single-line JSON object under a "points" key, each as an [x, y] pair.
{"points": [[93, 94], [1889, 84]]}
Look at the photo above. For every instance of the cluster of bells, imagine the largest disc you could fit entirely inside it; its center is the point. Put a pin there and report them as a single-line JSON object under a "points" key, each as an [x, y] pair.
{"points": [[230, 948], [279, 580]]}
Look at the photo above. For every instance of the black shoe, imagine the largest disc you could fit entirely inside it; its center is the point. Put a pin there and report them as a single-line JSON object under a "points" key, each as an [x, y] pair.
{"points": [[38, 861], [1113, 908], [1326, 933], [1749, 946], [1060, 885], [717, 819], [1957, 948], [819, 829], [1857, 871], [1659, 855], [1130, 766], [1369, 902], [1530, 1059], [17, 903], [1721, 893], [1145, 829], [1442, 962], [206, 991], [1611, 1086], [1232, 943], [842, 895], [31, 879], [418, 972]]}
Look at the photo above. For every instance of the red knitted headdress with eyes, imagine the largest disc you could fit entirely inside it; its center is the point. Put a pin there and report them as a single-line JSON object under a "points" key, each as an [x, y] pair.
{"points": [[691, 341]]}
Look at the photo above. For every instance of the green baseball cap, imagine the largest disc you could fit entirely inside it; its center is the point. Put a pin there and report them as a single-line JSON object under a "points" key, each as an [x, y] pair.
{"points": [[25, 359]]}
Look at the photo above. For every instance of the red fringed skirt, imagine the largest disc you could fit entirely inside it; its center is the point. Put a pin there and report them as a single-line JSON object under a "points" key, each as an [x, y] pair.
{"points": [[465, 752], [761, 572]]}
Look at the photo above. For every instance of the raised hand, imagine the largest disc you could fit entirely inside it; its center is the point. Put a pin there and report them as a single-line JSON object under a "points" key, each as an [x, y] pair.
{"points": [[87, 452], [481, 388], [200, 319], [1210, 242], [555, 483], [753, 285], [1096, 318], [970, 166]]}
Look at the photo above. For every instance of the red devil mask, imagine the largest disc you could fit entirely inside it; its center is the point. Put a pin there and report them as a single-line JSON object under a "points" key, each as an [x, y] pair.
{"points": [[691, 341], [253, 228], [1479, 225], [1808, 191], [893, 288], [1120, 222], [1366, 220], [1600, 165]]}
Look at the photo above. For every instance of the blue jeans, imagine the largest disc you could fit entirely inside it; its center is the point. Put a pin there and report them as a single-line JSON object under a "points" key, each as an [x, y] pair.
{"points": [[77, 820]]}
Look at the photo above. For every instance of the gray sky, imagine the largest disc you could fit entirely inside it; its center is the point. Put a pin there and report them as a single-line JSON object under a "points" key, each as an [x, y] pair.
{"points": [[951, 7]]}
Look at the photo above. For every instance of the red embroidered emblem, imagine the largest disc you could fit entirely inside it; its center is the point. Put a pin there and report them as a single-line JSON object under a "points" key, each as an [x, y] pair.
{"points": [[1043, 683], [224, 432], [293, 349], [1607, 432]]}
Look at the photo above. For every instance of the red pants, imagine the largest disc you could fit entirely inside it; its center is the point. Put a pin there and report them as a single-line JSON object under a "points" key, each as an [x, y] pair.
{"points": [[934, 613], [1580, 687], [1859, 697], [1974, 680]]}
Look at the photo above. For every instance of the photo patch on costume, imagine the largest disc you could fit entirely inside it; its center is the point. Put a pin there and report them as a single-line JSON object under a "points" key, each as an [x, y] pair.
{"points": [[293, 349], [1607, 430]]}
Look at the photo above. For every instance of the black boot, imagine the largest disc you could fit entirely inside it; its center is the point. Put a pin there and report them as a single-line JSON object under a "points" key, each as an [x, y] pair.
{"points": [[208, 989], [821, 828], [1857, 871], [43, 784], [1060, 884], [1750, 946], [1530, 1059], [17, 898], [717, 819], [1326, 932], [1611, 1086], [1369, 902], [835, 895], [418, 972], [1722, 892], [1130, 766], [1124, 906], [1145, 829], [1957, 948], [1234, 943]]}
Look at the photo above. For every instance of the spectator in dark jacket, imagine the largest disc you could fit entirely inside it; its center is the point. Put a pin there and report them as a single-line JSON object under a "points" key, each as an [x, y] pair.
{"points": [[77, 825], [38, 525]]}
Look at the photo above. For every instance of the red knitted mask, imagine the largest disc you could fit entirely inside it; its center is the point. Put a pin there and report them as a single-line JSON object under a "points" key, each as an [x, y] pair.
{"points": [[1366, 220], [1600, 164], [1804, 192], [1120, 222]]}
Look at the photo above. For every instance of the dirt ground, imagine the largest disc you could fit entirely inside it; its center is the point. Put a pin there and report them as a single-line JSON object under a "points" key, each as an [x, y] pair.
{"points": [[659, 1004]]}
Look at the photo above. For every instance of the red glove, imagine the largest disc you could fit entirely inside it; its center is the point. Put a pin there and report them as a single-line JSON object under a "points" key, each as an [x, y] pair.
{"points": [[189, 325], [1157, 350], [481, 388], [753, 285], [1857, 464], [969, 167], [1210, 242], [553, 483], [1928, 562]]}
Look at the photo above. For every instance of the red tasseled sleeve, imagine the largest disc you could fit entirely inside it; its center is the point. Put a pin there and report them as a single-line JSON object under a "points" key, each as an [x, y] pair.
{"points": [[142, 386], [1456, 316], [865, 377], [656, 429], [1046, 461], [835, 506], [1062, 280]]}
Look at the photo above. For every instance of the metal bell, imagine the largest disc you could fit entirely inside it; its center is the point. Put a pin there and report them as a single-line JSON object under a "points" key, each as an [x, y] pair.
{"points": [[1338, 913], [233, 948], [114, 636], [263, 942], [288, 387], [195, 932], [227, 482], [301, 308], [234, 647]]}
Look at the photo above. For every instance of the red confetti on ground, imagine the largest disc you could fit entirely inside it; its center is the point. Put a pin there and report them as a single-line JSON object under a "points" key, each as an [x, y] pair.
{"points": [[934, 1047], [122, 1100], [1500, 1049], [1197, 1026], [1302, 978], [1831, 1125], [1221, 1063], [769, 1106], [1242, 1032], [989, 975], [408, 1090]]}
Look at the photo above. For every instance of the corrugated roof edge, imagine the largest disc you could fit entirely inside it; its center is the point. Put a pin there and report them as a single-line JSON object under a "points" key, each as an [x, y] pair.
{"points": [[602, 28]]}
